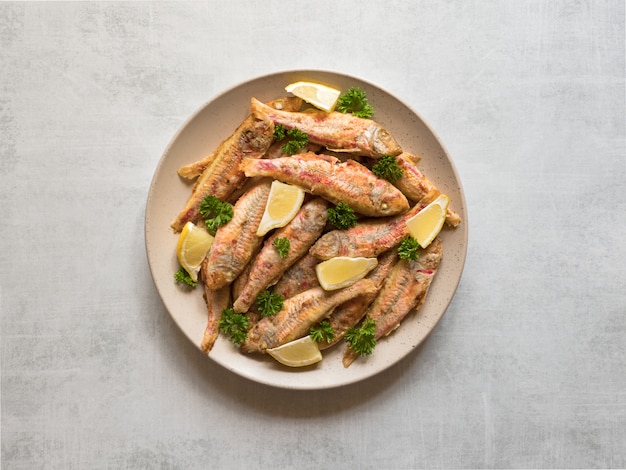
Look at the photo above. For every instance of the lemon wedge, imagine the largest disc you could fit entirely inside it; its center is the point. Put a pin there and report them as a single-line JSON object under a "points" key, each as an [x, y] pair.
{"points": [[320, 96], [283, 203], [193, 245], [426, 224], [343, 271], [298, 353]]}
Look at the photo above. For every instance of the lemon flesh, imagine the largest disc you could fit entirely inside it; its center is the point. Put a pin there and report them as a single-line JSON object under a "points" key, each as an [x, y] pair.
{"points": [[298, 353], [320, 96], [427, 223], [193, 245], [343, 271], [283, 203]]}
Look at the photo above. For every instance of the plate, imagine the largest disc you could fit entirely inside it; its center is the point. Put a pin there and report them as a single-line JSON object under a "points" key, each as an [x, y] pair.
{"points": [[201, 134]]}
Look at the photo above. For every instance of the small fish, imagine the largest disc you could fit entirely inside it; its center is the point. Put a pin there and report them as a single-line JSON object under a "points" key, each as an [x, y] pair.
{"points": [[216, 301], [298, 314], [236, 241], [404, 290], [367, 238], [416, 187], [322, 175], [351, 312], [336, 131], [268, 266], [299, 277]]}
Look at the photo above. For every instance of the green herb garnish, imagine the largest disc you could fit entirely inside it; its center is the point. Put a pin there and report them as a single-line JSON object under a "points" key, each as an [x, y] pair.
{"points": [[387, 168], [279, 132], [282, 246], [409, 248], [215, 213], [362, 340], [342, 216], [269, 303], [234, 325], [182, 277], [297, 140], [354, 101], [322, 332]]}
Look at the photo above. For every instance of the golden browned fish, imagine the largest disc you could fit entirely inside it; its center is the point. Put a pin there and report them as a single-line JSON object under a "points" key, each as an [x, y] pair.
{"points": [[415, 186], [351, 312], [298, 314], [403, 291], [216, 301], [268, 266], [336, 131], [367, 238], [236, 241], [299, 277], [348, 182]]}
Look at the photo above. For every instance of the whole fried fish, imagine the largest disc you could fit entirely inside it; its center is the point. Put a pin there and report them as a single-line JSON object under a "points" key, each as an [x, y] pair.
{"points": [[268, 266], [236, 241], [404, 290], [298, 314], [336, 131], [299, 277], [325, 176]]}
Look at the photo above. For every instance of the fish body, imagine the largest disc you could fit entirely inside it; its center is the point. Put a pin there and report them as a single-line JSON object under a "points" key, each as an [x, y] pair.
{"points": [[351, 312], [268, 266], [404, 290], [236, 241], [416, 187], [299, 277], [336, 131], [368, 238], [298, 314], [325, 176], [216, 302]]}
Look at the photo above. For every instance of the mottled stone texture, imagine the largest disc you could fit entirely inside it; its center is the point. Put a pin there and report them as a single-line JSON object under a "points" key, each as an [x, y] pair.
{"points": [[528, 366]]}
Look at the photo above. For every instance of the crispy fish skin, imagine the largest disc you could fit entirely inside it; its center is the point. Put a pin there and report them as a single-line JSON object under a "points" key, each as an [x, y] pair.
{"points": [[367, 238], [299, 277], [268, 266], [404, 290], [416, 187], [351, 312], [216, 301], [336, 131], [325, 176], [298, 314], [251, 139], [236, 241]]}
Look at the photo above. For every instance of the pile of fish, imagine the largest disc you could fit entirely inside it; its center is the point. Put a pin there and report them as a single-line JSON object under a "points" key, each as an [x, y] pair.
{"points": [[334, 167]]}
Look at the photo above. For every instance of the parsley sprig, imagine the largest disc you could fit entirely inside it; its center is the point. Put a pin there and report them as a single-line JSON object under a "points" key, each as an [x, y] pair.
{"points": [[234, 325], [362, 340], [342, 216], [282, 246], [322, 332], [297, 140], [269, 303], [215, 213], [354, 101], [409, 248], [182, 277], [387, 168]]}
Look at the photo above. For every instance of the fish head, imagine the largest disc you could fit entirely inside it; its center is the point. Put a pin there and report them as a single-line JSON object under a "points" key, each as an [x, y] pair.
{"points": [[382, 142]]}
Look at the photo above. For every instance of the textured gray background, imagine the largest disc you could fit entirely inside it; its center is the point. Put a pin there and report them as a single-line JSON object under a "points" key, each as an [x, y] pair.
{"points": [[528, 366]]}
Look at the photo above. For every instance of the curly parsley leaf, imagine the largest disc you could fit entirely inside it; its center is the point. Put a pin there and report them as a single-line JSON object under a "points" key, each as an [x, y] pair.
{"points": [[269, 303], [215, 213], [234, 325], [354, 101], [297, 140], [387, 168], [322, 332], [409, 248], [279, 132], [282, 246], [342, 216], [362, 340], [182, 277]]}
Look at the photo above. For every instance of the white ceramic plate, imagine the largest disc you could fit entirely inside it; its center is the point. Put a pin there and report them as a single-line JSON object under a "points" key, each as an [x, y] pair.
{"points": [[168, 193]]}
